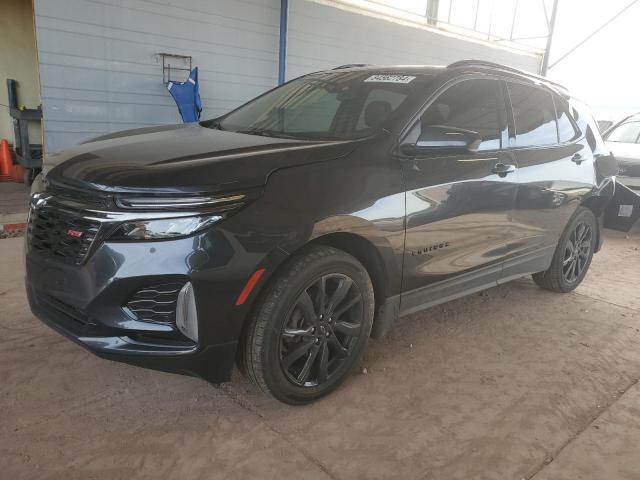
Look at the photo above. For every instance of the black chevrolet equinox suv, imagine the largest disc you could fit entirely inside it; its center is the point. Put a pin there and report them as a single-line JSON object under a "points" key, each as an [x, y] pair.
{"points": [[284, 234]]}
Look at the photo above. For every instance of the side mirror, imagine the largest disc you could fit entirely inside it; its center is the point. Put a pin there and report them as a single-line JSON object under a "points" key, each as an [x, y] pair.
{"points": [[607, 165], [439, 137]]}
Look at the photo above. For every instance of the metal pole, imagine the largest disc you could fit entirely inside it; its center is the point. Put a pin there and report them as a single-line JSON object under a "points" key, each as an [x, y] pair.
{"points": [[493, 4], [432, 11], [282, 53], [547, 50], [513, 22], [546, 15], [475, 22]]}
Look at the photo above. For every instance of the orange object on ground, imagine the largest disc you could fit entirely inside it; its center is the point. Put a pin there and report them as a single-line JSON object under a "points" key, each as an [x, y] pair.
{"points": [[5, 161]]}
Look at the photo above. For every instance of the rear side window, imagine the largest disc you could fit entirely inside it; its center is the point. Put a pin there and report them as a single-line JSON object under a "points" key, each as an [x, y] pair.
{"points": [[566, 130], [475, 104], [534, 115], [627, 132], [586, 123]]}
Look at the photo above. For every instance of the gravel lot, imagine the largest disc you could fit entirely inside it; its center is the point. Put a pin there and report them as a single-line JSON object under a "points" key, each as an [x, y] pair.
{"points": [[511, 383]]}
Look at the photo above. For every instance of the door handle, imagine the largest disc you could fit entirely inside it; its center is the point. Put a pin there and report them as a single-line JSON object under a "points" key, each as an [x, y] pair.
{"points": [[503, 169], [577, 158]]}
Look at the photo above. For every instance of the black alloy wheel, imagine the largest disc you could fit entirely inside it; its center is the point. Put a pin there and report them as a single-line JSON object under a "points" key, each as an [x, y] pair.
{"points": [[321, 330], [573, 254], [310, 326], [577, 252]]}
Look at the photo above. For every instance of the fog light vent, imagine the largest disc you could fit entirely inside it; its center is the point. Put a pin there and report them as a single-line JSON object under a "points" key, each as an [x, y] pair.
{"points": [[155, 303], [186, 314]]}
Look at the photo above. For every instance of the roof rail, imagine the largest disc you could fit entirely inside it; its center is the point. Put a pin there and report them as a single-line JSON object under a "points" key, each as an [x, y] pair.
{"points": [[484, 63], [352, 65]]}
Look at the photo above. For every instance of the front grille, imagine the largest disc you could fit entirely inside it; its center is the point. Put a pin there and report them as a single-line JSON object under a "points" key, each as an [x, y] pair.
{"points": [[60, 233], [156, 303]]}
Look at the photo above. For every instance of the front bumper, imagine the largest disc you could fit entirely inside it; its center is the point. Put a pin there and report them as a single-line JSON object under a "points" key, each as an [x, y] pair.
{"points": [[213, 363], [85, 301]]}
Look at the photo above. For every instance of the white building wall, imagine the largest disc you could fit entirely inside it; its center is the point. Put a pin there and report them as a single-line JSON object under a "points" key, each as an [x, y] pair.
{"points": [[100, 72]]}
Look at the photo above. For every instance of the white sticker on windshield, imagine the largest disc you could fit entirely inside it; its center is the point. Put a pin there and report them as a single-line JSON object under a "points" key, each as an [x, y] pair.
{"points": [[390, 78]]}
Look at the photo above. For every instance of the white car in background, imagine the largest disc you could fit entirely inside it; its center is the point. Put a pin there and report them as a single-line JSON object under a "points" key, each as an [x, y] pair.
{"points": [[623, 139]]}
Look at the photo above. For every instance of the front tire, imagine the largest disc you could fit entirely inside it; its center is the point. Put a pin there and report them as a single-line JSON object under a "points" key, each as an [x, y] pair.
{"points": [[573, 254], [310, 327]]}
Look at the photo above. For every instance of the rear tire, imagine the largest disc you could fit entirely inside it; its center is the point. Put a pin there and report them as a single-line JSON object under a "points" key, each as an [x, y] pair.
{"points": [[573, 254], [310, 327]]}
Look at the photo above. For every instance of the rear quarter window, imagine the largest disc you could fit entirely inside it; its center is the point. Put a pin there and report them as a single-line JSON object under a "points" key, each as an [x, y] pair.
{"points": [[584, 119], [567, 131]]}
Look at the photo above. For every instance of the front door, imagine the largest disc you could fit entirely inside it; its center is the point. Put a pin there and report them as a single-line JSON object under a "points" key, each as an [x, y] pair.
{"points": [[458, 203]]}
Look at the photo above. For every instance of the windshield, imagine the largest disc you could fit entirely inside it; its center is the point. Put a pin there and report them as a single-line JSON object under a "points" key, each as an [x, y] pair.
{"points": [[329, 106], [627, 132]]}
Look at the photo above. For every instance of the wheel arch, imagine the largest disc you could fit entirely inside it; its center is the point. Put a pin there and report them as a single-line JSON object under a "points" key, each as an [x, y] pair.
{"points": [[372, 259], [366, 253], [363, 250], [597, 204]]}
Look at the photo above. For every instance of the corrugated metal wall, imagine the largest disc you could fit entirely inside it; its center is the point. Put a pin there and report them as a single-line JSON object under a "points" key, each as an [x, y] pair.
{"points": [[99, 67], [100, 72]]}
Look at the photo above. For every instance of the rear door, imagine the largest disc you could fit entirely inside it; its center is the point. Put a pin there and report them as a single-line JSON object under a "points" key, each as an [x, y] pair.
{"points": [[457, 208], [555, 170]]}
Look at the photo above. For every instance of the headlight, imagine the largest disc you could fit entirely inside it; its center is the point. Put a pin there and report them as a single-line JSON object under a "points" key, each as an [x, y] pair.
{"points": [[38, 185], [163, 228]]}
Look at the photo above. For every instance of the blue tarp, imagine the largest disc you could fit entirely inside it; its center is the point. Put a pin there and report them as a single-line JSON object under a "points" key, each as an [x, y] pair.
{"points": [[187, 96]]}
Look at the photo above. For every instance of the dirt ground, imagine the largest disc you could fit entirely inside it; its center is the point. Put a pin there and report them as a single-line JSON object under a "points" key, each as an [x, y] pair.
{"points": [[14, 201], [513, 383]]}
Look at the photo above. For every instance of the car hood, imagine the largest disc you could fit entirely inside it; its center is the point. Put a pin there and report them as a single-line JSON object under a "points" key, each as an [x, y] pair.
{"points": [[183, 158], [628, 157]]}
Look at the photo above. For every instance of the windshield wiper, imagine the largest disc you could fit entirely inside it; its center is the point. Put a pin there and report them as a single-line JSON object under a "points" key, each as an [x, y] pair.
{"points": [[266, 132], [217, 124]]}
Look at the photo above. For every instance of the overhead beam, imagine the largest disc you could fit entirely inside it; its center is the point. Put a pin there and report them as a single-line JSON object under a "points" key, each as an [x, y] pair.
{"points": [[588, 37]]}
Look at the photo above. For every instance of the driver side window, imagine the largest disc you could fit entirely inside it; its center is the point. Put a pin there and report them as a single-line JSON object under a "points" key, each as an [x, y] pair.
{"points": [[476, 105]]}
